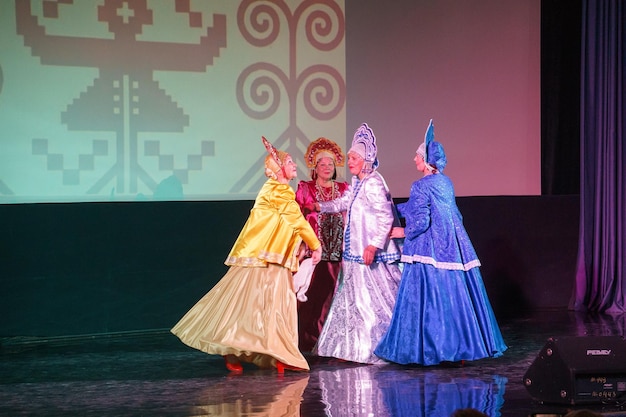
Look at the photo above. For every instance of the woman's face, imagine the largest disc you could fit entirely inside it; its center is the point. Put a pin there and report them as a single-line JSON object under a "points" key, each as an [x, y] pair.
{"points": [[290, 169], [419, 163], [325, 168], [355, 163]]}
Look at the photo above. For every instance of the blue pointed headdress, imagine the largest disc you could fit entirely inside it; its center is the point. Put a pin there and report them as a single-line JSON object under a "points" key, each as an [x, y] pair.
{"points": [[432, 152]]}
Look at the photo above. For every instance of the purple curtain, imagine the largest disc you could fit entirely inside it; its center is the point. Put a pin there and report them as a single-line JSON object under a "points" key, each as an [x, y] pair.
{"points": [[600, 274]]}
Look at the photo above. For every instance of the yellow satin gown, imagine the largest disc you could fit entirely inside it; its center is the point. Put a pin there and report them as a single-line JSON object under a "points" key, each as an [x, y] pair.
{"points": [[252, 311]]}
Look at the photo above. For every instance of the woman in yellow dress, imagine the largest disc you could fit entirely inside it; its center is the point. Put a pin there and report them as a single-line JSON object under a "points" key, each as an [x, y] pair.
{"points": [[250, 315]]}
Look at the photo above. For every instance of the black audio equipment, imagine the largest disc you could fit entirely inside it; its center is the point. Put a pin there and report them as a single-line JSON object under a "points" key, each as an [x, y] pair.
{"points": [[579, 370]]}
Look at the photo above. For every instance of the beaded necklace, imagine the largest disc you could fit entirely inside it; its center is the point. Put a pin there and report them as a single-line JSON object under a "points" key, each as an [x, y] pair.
{"points": [[326, 193]]}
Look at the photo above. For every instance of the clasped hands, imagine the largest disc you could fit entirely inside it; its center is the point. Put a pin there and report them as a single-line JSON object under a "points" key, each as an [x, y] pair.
{"points": [[311, 207]]}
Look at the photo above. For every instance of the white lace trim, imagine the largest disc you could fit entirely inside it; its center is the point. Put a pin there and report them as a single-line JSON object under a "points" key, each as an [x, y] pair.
{"points": [[454, 266]]}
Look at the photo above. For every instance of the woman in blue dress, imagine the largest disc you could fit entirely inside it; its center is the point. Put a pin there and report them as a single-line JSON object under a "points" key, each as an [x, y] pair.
{"points": [[442, 312]]}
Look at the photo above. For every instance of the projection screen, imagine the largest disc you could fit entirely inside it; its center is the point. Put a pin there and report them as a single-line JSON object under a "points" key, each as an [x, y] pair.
{"points": [[144, 100]]}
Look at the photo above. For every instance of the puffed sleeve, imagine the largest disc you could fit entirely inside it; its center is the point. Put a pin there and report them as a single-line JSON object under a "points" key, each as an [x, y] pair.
{"points": [[380, 207], [291, 214], [303, 195]]}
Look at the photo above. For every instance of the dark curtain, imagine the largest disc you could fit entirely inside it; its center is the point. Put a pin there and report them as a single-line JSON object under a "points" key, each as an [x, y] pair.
{"points": [[600, 276], [560, 96]]}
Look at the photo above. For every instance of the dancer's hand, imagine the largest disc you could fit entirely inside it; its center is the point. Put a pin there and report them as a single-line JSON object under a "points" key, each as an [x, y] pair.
{"points": [[316, 255], [309, 208], [368, 254]]}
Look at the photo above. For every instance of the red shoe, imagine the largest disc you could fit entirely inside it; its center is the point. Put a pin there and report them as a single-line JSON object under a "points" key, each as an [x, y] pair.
{"points": [[280, 367], [232, 364]]}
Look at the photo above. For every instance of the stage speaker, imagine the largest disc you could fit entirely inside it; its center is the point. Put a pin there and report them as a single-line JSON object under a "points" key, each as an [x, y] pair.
{"points": [[579, 370]]}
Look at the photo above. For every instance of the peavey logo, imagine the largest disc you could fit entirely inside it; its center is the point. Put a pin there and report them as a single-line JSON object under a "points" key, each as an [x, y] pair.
{"points": [[598, 352]]}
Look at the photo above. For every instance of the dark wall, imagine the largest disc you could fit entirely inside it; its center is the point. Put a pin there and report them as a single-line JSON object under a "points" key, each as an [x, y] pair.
{"points": [[110, 267], [528, 248], [76, 269]]}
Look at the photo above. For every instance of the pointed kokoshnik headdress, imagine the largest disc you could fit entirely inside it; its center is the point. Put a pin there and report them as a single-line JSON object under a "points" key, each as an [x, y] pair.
{"points": [[364, 145], [432, 152], [275, 159]]}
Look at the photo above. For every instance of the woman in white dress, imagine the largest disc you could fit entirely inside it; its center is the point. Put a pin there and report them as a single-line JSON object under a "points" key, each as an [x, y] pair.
{"points": [[363, 304]]}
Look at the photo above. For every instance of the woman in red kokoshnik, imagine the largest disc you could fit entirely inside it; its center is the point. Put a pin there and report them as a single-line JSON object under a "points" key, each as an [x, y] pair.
{"points": [[322, 157]]}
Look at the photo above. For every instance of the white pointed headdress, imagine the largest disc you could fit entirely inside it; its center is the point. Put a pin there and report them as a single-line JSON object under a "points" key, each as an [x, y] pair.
{"points": [[364, 144]]}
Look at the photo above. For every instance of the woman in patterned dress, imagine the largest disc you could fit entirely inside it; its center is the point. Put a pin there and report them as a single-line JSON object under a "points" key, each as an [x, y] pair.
{"points": [[323, 156]]}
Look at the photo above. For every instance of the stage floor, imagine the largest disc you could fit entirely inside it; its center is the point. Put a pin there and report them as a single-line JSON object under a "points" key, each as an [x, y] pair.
{"points": [[153, 373]]}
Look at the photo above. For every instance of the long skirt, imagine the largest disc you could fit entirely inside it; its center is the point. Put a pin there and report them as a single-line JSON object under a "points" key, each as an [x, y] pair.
{"points": [[250, 313], [360, 313], [441, 316], [313, 312]]}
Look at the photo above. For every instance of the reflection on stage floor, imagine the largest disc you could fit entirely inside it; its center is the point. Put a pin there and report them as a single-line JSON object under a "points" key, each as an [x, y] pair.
{"points": [[152, 373]]}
